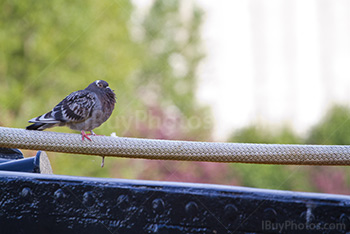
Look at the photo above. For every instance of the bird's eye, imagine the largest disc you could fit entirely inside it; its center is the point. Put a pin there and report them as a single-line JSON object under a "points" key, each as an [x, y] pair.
{"points": [[100, 85]]}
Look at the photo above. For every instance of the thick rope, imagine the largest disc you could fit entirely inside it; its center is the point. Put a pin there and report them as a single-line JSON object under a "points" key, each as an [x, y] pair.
{"points": [[175, 150]]}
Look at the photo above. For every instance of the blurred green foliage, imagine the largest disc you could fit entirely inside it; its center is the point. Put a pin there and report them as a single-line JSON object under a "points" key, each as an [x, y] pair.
{"points": [[53, 48], [265, 134], [150, 57], [333, 129], [269, 176]]}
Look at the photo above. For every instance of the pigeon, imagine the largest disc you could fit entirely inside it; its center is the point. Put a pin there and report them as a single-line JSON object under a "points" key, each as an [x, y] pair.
{"points": [[83, 110]]}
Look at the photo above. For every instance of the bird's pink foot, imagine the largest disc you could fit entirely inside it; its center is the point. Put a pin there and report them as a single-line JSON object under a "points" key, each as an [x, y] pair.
{"points": [[84, 135]]}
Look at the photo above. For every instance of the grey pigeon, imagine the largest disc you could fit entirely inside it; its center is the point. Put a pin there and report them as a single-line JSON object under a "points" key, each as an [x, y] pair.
{"points": [[83, 110]]}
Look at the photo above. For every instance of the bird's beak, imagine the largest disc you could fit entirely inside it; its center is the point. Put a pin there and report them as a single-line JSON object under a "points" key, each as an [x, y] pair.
{"points": [[110, 89]]}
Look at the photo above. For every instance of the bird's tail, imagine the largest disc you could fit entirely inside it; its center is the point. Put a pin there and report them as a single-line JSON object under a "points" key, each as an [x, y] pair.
{"points": [[40, 126], [42, 122]]}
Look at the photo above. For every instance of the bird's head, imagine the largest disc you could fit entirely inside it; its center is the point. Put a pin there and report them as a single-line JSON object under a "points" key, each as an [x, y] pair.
{"points": [[101, 87], [98, 85], [101, 84]]}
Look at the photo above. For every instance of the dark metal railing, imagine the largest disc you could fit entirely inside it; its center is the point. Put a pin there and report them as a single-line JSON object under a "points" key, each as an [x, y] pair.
{"points": [[39, 203]]}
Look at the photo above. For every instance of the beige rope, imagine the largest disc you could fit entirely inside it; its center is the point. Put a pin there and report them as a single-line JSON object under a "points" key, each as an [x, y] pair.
{"points": [[175, 150]]}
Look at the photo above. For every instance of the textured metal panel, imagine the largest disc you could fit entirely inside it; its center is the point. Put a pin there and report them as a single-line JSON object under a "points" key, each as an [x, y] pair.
{"points": [[37, 203]]}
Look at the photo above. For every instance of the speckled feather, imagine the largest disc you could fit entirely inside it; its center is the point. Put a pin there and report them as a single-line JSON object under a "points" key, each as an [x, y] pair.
{"points": [[81, 110]]}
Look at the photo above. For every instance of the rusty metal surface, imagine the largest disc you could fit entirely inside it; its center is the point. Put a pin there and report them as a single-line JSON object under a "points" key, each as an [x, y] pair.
{"points": [[37, 203]]}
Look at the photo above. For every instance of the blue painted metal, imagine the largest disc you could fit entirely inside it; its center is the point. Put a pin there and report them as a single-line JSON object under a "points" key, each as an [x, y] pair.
{"points": [[37, 203], [4, 160], [23, 165], [8, 153]]}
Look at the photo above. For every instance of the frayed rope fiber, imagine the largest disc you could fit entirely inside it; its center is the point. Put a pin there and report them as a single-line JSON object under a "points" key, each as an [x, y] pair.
{"points": [[175, 150]]}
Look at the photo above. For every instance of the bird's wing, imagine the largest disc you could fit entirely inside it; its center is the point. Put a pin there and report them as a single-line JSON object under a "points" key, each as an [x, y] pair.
{"points": [[76, 107]]}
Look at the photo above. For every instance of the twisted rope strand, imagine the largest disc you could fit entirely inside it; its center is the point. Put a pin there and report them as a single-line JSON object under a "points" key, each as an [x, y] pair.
{"points": [[176, 150]]}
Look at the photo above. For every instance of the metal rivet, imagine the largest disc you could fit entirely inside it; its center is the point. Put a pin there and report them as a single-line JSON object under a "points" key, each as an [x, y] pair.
{"points": [[26, 192], [59, 195], [307, 218], [88, 199], [191, 208], [158, 205], [123, 201], [231, 211], [270, 213]]}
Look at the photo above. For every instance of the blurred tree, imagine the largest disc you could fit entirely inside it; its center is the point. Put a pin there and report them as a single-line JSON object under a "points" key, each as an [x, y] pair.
{"points": [[52, 48], [260, 134], [167, 79], [174, 43], [169, 34], [269, 176], [333, 129]]}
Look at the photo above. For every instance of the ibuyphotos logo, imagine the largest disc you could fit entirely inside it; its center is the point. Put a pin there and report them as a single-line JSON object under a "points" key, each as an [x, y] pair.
{"points": [[290, 225]]}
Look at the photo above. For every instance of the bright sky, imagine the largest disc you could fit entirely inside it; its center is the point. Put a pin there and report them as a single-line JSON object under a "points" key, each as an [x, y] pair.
{"points": [[274, 61]]}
